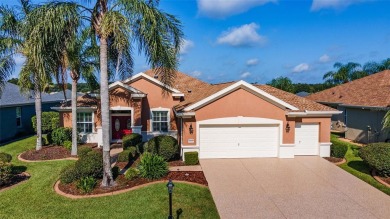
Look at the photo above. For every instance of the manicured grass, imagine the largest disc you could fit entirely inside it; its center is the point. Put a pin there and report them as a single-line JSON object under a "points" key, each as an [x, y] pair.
{"points": [[358, 168], [36, 198]]}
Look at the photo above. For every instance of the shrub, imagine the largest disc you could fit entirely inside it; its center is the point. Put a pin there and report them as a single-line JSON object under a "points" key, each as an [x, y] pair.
{"points": [[131, 140], [140, 147], [83, 151], [131, 173], [50, 121], [338, 149], [163, 145], [5, 158], [90, 165], [377, 156], [86, 184], [68, 174], [152, 166], [5, 173], [68, 145], [191, 158], [115, 172], [127, 155], [59, 135]]}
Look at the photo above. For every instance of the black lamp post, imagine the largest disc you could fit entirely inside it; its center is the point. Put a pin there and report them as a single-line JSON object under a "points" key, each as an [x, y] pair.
{"points": [[170, 186]]}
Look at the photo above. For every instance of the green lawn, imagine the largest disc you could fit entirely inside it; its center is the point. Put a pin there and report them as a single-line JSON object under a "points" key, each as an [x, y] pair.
{"points": [[36, 198], [358, 168]]}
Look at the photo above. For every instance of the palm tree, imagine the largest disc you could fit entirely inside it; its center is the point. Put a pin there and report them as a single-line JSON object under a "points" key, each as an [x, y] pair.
{"points": [[82, 55], [386, 120], [29, 32], [345, 73], [283, 83], [158, 36]]}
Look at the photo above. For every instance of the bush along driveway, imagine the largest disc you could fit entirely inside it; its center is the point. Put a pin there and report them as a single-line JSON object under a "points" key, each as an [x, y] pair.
{"points": [[36, 197], [357, 167]]}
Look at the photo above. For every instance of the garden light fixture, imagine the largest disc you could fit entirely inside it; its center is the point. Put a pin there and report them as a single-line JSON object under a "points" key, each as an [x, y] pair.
{"points": [[191, 129], [170, 186]]}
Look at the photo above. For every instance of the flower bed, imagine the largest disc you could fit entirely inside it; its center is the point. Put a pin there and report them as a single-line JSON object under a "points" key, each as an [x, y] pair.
{"points": [[46, 153]]}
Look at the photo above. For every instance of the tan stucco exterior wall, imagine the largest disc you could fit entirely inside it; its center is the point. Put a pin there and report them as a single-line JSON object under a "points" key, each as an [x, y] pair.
{"points": [[122, 97], [239, 103], [155, 99]]}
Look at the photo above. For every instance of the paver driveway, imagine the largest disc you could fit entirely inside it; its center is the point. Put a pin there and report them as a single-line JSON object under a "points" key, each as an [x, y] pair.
{"points": [[303, 187]]}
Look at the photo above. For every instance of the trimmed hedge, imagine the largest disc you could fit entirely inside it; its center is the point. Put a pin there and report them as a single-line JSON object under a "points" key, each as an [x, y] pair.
{"points": [[131, 173], [163, 145], [131, 140], [338, 149], [50, 121], [191, 158], [377, 156], [5, 158], [152, 166], [83, 151], [68, 145], [5, 173], [59, 135], [127, 155], [68, 174]]}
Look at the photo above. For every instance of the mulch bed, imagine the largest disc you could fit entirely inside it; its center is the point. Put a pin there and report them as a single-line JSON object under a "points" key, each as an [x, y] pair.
{"points": [[122, 183], [385, 179], [176, 163], [333, 159], [46, 153], [18, 178]]}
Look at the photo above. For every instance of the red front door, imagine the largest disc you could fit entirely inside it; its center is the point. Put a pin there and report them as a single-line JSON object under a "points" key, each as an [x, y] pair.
{"points": [[119, 124]]}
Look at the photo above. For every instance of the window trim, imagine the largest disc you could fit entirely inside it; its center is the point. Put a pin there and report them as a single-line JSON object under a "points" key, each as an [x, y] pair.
{"points": [[159, 109], [93, 121], [20, 116]]}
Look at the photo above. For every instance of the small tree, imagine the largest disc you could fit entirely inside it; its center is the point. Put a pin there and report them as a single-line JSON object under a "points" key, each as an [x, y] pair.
{"points": [[50, 121]]}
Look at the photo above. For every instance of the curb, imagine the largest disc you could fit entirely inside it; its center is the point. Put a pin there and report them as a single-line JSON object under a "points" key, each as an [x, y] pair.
{"points": [[373, 174], [341, 162], [37, 161], [59, 192], [10, 187]]}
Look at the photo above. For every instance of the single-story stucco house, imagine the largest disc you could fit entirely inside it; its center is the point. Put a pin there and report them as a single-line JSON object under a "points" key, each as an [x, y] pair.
{"points": [[228, 120], [16, 110], [364, 102]]}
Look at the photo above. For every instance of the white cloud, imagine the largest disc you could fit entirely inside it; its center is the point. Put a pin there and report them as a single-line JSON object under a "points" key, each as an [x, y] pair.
{"points": [[225, 8], [196, 74], [252, 62], [245, 74], [301, 68], [245, 35], [324, 58], [185, 46], [333, 4]]}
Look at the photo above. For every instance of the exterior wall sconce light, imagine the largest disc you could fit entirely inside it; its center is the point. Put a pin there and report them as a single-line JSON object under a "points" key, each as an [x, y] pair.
{"points": [[191, 129], [288, 127]]}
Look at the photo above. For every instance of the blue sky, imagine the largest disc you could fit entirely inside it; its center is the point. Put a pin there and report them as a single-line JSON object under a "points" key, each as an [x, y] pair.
{"points": [[258, 40]]}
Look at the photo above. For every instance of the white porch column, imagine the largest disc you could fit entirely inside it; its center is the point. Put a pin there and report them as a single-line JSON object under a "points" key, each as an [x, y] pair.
{"points": [[99, 136]]}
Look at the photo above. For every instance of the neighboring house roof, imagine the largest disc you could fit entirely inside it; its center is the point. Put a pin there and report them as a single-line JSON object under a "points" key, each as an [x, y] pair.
{"points": [[302, 94], [370, 91], [82, 101], [12, 96]]}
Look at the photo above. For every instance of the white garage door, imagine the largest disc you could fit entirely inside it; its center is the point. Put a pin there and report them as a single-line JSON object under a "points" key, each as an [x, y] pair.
{"points": [[221, 141], [306, 139]]}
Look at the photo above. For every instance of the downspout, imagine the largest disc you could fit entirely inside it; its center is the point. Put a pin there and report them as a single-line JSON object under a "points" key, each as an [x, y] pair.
{"points": [[181, 136]]}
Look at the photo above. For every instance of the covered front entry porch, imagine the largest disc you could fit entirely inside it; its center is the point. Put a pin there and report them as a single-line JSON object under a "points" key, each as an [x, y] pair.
{"points": [[122, 122]]}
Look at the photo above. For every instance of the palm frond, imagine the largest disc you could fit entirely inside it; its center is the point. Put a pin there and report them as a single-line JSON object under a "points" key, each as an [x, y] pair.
{"points": [[386, 121], [7, 66]]}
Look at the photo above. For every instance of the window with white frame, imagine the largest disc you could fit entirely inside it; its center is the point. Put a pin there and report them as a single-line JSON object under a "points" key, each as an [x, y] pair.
{"points": [[160, 121], [18, 116], [84, 122]]}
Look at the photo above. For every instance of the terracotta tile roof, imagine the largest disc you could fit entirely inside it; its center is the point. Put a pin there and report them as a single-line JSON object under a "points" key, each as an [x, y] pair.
{"points": [[201, 90], [373, 91], [83, 101], [299, 102]]}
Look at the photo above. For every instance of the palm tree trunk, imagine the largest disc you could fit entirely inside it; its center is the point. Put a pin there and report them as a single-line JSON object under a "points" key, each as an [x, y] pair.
{"points": [[38, 112], [108, 180], [74, 117]]}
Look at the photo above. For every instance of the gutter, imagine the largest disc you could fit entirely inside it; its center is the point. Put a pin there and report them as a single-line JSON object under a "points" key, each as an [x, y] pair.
{"points": [[313, 113], [70, 108]]}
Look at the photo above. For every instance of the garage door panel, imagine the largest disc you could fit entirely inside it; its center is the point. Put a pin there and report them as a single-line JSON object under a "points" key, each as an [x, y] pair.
{"points": [[239, 141], [306, 139]]}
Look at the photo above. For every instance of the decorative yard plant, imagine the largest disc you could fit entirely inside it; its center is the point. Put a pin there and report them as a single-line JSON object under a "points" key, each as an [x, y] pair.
{"points": [[152, 166], [131, 140], [163, 145], [377, 156], [5, 173]]}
